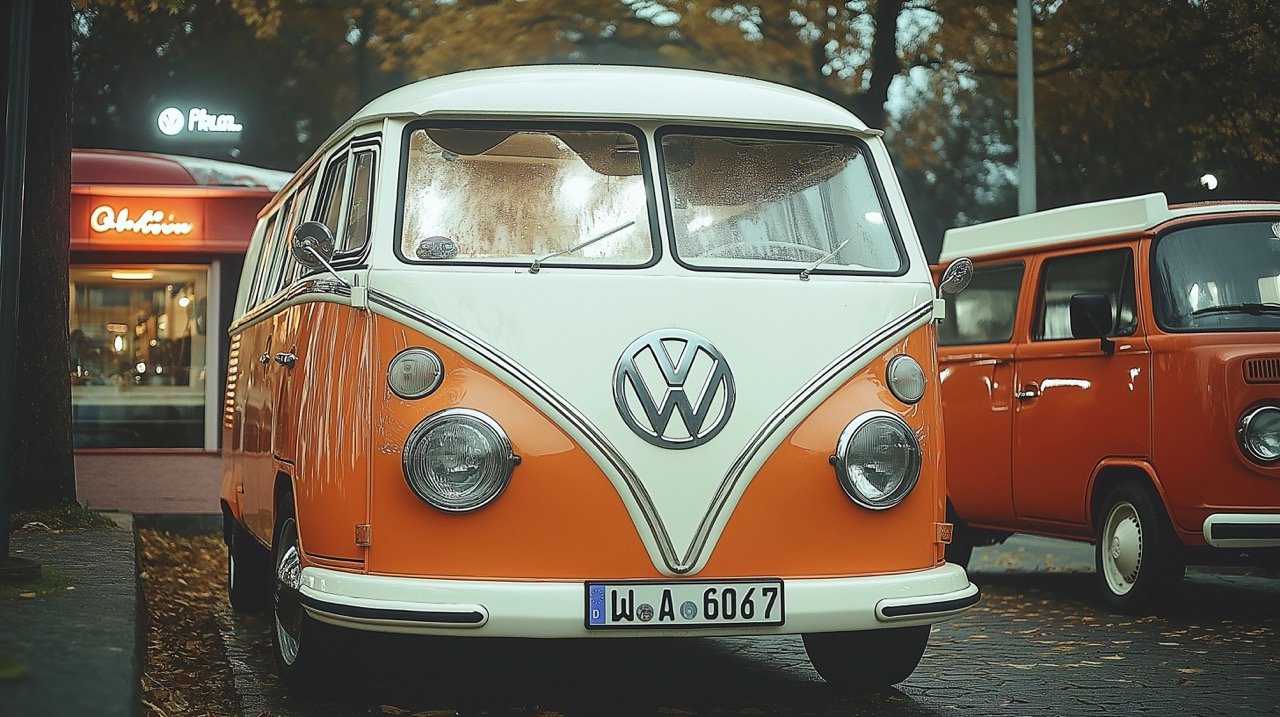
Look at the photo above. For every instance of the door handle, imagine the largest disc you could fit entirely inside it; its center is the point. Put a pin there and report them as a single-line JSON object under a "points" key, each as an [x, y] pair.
{"points": [[286, 359], [1028, 391]]}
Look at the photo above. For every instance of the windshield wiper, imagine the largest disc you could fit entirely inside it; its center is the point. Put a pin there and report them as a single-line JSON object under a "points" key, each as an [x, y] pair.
{"points": [[537, 263], [804, 273], [1252, 308]]}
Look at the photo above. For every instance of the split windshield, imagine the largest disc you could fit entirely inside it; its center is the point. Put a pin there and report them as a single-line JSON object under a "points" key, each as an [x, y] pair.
{"points": [[1218, 277], [776, 204]]}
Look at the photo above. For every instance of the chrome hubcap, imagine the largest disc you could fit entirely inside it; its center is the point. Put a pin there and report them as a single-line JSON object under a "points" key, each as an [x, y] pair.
{"points": [[288, 606], [1122, 548]]}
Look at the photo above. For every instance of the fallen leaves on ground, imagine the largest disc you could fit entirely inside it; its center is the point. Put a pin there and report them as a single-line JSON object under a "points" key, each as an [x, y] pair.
{"points": [[185, 671]]}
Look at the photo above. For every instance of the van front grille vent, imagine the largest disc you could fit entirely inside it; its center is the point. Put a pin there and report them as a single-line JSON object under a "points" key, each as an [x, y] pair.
{"points": [[1262, 370]]}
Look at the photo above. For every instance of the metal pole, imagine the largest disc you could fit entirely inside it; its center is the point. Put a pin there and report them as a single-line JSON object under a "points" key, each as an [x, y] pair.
{"points": [[15, 167], [1026, 113]]}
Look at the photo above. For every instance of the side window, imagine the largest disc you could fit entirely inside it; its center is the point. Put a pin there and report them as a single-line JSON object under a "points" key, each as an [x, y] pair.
{"points": [[264, 262], [331, 186], [288, 267], [984, 312], [355, 230], [272, 252], [1107, 272]]}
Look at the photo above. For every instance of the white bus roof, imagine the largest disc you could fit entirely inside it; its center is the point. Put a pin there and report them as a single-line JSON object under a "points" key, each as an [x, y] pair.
{"points": [[611, 91], [1078, 223]]}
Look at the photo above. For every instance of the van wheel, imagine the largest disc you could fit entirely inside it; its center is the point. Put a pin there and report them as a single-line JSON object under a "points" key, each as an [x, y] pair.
{"points": [[960, 549], [248, 570], [297, 639], [866, 660], [1137, 557]]}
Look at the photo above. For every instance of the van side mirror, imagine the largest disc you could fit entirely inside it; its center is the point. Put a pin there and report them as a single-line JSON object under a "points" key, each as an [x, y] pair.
{"points": [[956, 277], [1092, 318], [312, 245]]}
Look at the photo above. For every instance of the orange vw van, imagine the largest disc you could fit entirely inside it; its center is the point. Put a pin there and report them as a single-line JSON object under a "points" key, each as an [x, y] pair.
{"points": [[1112, 374], [591, 352]]}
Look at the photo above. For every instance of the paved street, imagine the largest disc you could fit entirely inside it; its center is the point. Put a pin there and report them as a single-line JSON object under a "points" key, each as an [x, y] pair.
{"points": [[1039, 644]]}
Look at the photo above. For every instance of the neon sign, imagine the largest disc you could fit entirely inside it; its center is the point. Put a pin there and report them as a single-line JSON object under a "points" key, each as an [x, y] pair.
{"points": [[173, 121], [106, 218]]}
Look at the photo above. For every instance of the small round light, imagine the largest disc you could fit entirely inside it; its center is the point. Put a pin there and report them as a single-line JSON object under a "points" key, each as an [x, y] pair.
{"points": [[414, 373], [1259, 434], [905, 378], [458, 460], [877, 460]]}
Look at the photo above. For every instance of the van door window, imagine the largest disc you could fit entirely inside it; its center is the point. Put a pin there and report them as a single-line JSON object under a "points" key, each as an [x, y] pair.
{"points": [[1218, 277], [983, 313], [569, 197], [1107, 272], [331, 193], [263, 266], [355, 230], [288, 268]]}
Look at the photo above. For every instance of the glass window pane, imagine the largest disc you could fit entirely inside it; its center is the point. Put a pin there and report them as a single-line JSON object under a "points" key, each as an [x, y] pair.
{"points": [[983, 313], [776, 204], [356, 232], [137, 360], [331, 200], [513, 196], [1218, 277], [1104, 272]]}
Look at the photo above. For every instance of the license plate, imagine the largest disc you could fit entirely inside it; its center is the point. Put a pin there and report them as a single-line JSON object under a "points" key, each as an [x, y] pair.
{"points": [[684, 604]]}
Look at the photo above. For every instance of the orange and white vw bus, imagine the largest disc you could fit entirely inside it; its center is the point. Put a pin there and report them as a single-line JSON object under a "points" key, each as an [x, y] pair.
{"points": [[592, 352], [1113, 372]]}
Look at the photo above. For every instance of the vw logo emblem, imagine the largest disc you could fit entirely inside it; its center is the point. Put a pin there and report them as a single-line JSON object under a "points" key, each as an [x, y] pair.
{"points": [[672, 371]]}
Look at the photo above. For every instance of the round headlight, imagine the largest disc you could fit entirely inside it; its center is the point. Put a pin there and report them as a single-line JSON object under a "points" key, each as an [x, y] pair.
{"points": [[458, 460], [906, 378], [877, 460], [414, 373], [1259, 434]]}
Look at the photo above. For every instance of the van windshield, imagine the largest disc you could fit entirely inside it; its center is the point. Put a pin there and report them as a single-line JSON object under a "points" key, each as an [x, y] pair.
{"points": [[1218, 277], [511, 196], [777, 204]]}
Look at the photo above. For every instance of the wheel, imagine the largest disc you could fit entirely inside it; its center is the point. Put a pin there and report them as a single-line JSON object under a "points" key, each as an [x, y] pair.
{"points": [[248, 569], [1137, 557], [866, 660], [960, 549], [298, 640]]}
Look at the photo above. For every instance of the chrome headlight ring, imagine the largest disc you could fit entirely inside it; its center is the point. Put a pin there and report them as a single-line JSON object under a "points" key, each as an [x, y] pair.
{"points": [[458, 460], [1258, 434], [877, 460]]}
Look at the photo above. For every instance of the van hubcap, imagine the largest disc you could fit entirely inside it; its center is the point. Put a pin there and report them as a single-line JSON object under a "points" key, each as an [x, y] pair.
{"points": [[1122, 548], [288, 606]]}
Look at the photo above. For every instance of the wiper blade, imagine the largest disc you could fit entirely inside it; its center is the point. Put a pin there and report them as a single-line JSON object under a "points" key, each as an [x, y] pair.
{"points": [[1252, 308], [804, 273], [537, 263]]}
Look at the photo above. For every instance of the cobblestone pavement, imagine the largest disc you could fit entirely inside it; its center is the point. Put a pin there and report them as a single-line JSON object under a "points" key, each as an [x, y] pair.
{"points": [[1039, 644]]}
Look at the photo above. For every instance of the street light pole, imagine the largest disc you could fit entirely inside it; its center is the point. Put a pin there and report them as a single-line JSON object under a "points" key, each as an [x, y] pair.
{"points": [[1026, 113], [11, 201]]}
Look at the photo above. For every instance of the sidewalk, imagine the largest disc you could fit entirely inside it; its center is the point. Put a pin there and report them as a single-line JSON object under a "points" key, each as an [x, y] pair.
{"points": [[82, 646], [149, 483]]}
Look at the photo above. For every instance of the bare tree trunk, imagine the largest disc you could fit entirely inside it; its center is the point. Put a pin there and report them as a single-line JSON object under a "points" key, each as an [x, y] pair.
{"points": [[885, 63], [43, 467]]}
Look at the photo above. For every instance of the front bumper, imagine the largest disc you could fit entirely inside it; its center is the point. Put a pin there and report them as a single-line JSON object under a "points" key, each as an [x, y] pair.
{"points": [[1242, 530], [556, 609]]}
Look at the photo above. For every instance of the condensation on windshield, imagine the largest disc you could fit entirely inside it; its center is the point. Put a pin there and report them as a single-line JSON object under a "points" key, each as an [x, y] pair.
{"points": [[501, 195], [776, 204]]}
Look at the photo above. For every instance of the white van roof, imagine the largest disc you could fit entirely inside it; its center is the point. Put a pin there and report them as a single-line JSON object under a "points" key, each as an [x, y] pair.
{"points": [[1078, 223], [617, 91]]}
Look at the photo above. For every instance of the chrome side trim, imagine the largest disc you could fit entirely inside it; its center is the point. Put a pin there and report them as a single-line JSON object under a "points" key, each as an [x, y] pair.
{"points": [[588, 431], [889, 332], [282, 299], [579, 422]]}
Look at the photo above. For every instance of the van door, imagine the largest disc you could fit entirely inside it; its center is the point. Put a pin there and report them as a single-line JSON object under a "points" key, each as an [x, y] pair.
{"points": [[975, 355], [1075, 403]]}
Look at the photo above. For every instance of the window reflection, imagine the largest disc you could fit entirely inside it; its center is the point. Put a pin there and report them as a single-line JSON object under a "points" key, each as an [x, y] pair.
{"points": [[137, 356]]}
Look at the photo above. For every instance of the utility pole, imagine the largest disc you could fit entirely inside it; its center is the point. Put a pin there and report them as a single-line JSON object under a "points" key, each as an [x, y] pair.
{"points": [[1026, 113], [11, 202]]}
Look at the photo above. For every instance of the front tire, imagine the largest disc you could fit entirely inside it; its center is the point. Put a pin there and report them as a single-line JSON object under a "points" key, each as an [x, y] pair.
{"points": [[1137, 557], [297, 639], [960, 550], [248, 570], [867, 660]]}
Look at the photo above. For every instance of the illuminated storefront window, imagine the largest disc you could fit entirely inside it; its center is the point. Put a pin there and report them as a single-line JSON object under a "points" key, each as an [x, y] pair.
{"points": [[139, 351]]}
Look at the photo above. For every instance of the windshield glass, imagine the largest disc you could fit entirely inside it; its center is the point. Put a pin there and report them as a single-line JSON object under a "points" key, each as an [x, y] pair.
{"points": [[780, 205], [1218, 277], [513, 196]]}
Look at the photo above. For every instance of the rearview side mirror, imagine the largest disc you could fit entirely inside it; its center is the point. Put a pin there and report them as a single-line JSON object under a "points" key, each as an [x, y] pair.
{"points": [[956, 277], [312, 245], [1092, 318]]}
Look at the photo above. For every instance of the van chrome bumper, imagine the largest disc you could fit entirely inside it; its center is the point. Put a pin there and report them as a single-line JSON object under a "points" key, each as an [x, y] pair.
{"points": [[1242, 530], [556, 609]]}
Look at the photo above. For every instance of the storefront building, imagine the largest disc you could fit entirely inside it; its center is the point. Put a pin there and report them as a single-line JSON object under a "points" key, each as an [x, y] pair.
{"points": [[157, 243]]}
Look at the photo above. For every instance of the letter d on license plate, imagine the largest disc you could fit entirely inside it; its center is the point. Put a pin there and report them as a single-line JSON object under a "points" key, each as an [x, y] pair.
{"points": [[639, 605]]}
